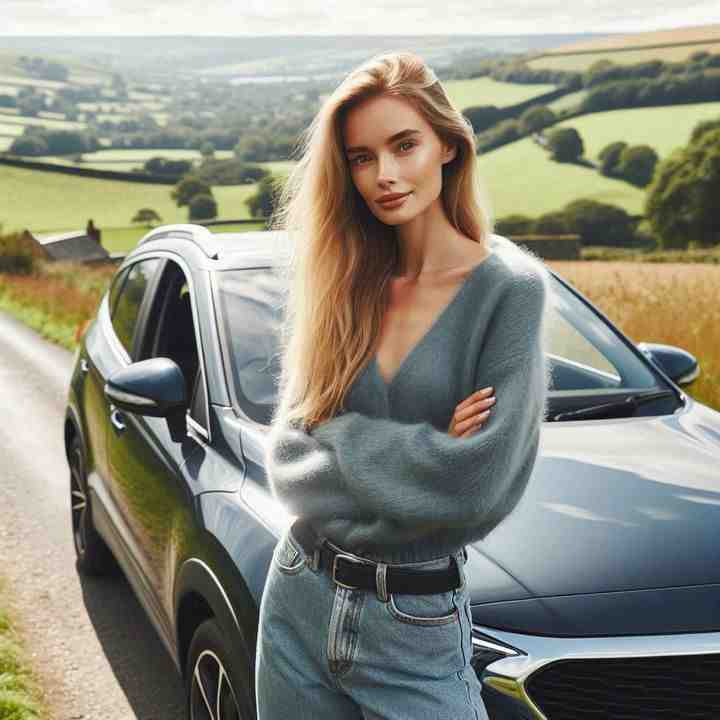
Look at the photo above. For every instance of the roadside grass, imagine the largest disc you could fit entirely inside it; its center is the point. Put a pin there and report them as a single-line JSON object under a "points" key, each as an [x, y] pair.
{"points": [[20, 693], [57, 300]]}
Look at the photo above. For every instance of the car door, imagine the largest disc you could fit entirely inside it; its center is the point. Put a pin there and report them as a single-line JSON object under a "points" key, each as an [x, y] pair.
{"points": [[146, 458]]}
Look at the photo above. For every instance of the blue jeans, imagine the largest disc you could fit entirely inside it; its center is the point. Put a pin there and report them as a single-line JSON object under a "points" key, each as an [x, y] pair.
{"points": [[325, 652]]}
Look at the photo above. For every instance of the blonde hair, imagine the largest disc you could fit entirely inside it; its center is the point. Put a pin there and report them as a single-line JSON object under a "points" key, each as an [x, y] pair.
{"points": [[342, 255]]}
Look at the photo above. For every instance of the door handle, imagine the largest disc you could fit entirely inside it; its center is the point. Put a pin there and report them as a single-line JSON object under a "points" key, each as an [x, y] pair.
{"points": [[116, 418]]}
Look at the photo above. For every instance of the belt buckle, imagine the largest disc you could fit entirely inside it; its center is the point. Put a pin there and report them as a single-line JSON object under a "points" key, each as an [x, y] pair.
{"points": [[334, 570]]}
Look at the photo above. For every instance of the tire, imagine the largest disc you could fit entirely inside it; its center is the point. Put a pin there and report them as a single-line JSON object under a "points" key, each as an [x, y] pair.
{"points": [[214, 661], [93, 555]]}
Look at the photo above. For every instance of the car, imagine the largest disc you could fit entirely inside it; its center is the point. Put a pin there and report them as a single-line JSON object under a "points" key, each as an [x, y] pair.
{"points": [[597, 597]]}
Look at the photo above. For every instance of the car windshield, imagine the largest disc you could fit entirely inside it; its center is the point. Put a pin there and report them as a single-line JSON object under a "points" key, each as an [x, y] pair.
{"points": [[590, 362]]}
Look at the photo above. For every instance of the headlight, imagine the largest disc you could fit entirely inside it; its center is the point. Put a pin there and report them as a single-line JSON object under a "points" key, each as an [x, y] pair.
{"points": [[487, 649]]}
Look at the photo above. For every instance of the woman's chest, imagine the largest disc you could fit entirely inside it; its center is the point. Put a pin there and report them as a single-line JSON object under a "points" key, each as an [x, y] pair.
{"points": [[428, 381]]}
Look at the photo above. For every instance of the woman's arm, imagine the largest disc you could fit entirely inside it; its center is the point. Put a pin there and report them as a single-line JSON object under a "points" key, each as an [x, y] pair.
{"points": [[412, 477]]}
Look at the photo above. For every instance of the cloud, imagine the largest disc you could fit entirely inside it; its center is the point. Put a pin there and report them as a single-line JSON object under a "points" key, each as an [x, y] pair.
{"points": [[401, 17]]}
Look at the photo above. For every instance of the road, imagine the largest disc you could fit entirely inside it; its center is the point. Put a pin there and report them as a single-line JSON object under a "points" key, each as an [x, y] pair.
{"points": [[90, 643]]}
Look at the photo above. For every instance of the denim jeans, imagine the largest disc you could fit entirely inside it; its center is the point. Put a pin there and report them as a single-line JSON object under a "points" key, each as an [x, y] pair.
{"points": [[325, 652]]}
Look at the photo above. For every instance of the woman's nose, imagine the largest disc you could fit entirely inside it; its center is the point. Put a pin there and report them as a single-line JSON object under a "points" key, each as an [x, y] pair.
{"points": [[386, 169]]}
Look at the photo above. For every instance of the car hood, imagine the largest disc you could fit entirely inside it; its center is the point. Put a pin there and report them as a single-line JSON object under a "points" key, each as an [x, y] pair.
{"points": [[613, 506]]}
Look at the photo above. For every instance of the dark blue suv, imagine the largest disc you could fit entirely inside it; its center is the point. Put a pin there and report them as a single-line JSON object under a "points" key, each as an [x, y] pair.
{"points": [[597, 597]]}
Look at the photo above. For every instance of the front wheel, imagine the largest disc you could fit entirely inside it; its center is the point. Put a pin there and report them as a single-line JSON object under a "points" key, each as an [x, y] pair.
{"points": [[93, 555], [218, 676]]}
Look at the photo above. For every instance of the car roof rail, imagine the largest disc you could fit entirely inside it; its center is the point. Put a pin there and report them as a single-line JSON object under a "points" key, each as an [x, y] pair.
{"points": [[197, 234]]}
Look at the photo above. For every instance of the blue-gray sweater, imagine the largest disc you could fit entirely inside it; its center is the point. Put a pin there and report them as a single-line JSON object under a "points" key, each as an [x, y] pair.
{"points": [[383, 478]]}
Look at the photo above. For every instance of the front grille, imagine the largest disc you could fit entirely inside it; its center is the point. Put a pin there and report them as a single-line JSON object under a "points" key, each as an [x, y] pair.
{"points": [[632, 688]]}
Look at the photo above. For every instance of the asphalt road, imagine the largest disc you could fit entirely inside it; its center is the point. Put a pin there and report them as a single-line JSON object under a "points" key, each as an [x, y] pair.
{"points": [[91, 645]]}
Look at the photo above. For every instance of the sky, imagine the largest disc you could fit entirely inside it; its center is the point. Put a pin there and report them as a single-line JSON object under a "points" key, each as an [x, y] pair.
{"points": [[348, 17]]}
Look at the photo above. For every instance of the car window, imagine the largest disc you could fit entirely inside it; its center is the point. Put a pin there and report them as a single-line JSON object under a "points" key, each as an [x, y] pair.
{"points": [[586, 355], [126, 308], [115, 288], [171, 333], [250, 315]]}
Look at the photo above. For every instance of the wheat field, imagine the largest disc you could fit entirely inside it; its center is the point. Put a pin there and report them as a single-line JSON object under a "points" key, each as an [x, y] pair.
{"points": [[671, 303]]}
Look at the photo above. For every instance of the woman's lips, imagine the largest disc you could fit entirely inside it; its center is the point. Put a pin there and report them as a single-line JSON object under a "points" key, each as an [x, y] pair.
{"points": [[394, 203]]}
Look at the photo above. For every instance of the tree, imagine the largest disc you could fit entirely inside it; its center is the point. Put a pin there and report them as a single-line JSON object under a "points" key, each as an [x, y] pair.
{"points": [[188, 188], [262, 203], [203, 207], [29, 145], [515, 224], [565, 144], [551, 223], [636, 164], [609, 157], [681, 201], [146, 216], [207, 150], [600, 223], [536, 118], [482, 117], [703, 127]]}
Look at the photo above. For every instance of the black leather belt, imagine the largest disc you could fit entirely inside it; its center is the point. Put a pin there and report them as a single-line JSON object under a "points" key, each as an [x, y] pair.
{"points": [[354, 573]]}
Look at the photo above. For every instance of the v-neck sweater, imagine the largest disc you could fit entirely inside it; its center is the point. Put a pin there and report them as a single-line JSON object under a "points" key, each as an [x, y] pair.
{"points": [[383, 478]]}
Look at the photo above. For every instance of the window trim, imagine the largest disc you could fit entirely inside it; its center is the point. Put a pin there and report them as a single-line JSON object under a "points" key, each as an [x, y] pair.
{"points": [[129, 356], [225, 344], [205, 434]]}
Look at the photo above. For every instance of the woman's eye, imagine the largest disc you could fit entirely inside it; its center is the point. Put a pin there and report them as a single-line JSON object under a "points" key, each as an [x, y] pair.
{"points": [[357, 158]]}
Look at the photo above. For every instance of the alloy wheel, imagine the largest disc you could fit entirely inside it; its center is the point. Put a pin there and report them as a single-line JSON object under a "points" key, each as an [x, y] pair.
{"points": [[211, 694]]}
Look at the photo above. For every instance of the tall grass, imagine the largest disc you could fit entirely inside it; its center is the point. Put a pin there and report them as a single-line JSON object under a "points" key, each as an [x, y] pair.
{"points": [[672, 303]]}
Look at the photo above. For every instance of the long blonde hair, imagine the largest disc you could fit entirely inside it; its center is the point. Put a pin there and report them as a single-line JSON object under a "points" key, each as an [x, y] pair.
{"points": [[342, 255]]}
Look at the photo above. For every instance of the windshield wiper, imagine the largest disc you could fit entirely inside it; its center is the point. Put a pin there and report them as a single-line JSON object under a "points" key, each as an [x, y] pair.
{"points": [[616, 409]]}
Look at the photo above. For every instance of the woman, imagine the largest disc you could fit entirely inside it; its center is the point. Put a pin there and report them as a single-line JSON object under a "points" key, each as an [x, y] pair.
{"points": [[386, 442]]}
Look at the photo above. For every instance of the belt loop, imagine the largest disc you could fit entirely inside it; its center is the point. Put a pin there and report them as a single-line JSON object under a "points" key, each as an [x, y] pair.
{"points": [[381, 582], [313, 560]]}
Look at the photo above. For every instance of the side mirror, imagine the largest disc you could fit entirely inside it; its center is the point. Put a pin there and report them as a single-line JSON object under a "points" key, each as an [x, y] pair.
{"points": [[154, 387], [679, 365]]}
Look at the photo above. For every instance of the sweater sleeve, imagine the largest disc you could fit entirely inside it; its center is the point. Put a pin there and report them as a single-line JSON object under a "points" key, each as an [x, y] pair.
{"points": [[411, 478]]}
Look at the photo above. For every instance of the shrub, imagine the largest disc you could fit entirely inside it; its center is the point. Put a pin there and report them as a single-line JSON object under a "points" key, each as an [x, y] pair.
{"points": [[565, 144], [636, 164], [188, 188], [609, 157], [599, 223], [203, 207], [515, 224]]}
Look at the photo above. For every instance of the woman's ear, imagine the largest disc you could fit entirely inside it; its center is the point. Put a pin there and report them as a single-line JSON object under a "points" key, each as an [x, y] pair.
{"points": [[449, 152]]}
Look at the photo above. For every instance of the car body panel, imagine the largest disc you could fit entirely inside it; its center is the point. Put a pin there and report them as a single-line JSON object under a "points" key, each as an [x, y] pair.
{"points": [[616, 533]]}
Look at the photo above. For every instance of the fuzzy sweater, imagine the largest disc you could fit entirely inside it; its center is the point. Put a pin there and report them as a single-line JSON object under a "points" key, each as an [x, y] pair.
{"points": [[383, 478]]}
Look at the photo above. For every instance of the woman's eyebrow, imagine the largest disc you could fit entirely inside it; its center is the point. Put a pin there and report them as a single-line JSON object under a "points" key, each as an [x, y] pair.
{"points": [[392, 138]]}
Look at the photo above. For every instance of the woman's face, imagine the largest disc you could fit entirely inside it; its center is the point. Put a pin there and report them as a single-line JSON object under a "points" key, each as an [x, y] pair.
{"points": [[391, 149]]}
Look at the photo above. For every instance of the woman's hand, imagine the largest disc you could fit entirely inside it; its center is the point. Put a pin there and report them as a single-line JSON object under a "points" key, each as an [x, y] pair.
{"points": [[471, 413]]}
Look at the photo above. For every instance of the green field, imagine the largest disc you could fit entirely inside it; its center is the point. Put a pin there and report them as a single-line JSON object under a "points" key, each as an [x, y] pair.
{"points": [[519, 176], [486, 91], [567, 101], [663, 128], [582, 61], [124, 239], [47, 201], [50, 123], [7, 128], [521, 179]]}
